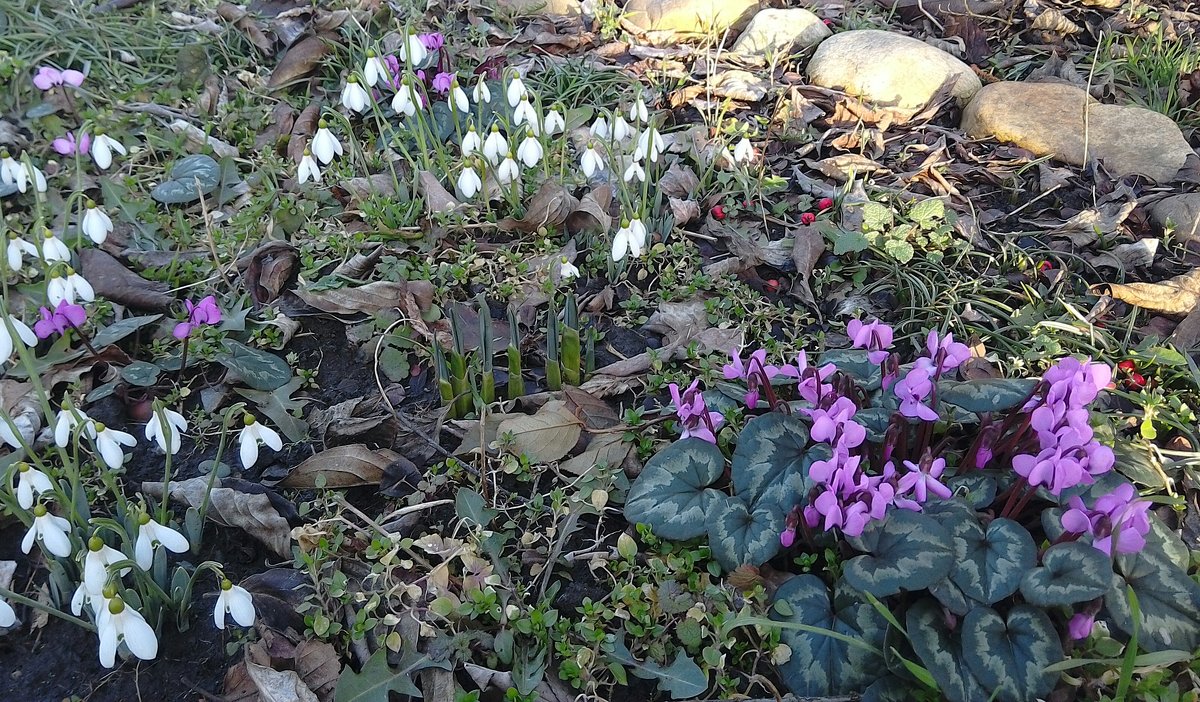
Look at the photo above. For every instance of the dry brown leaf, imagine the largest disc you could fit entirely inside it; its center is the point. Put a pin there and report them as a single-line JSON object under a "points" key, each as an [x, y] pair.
{"points": [[807, 249], [550, 207], [270, 269], [1187, 333], [684, 211], [679, 181], [843, 167], [677, 321], [370, 298], [197, 140], [596, 414], [616, 378], [1135, 255], [739, 85], [251, 512], [1088, 226], [354, 465], [114, 281], [1049, 19], [592, 212], [606, 449], [1175, 296], [303, 128], [363, 187], [279, 685], [437, 198], [546, 436], [301, 59]]}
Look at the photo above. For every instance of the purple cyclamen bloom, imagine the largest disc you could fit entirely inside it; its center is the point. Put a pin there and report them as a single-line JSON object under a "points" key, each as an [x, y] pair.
{"points": [[442, 82], [432, 41], [920, 483], [1119, 516], [912, 391], [812, 386], [1075, 382], [66, 144], [875, 337], [787, 537], [836, 425], [1080, 626], [199, 314], [47, 77], [694, 417], [1050, 468], [65, 316], [751, 371], [945, 354]]}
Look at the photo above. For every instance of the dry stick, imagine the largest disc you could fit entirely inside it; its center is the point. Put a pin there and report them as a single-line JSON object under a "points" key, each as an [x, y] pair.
{"points": [[212, 244], [1087, 112]]}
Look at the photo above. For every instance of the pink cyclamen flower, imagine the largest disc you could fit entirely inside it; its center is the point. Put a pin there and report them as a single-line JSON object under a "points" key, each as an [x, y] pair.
{"points": [[787, 537], [433, 41], [47, 77], [812, 386], [912, 391], [836, 426], [65, 316], [752, 371], [694, 417], [921, 483], [442, 82], [68, 146], [199, 314], [945, 354], [1119, 516], [1080, 626], [875, 337]]}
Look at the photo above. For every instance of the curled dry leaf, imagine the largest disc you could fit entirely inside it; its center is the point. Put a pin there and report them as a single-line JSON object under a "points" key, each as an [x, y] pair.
{"points": [[592, 212], [550, 207], [283, 116], [270, 269], [1175, 296], [341, 467], [302, 129], [437, 198], [844, 167], [360, 264], [807, 248], [1135, 255], [279, 685], [596, 414], [243, 21], [370, 298], [677, 321], [679, 181], [1049, 19], [197, 140], [363, 187], [301, 58], [546, 436], [113, 281], [606, 449], [254, 513], [1088, 226], [739, 85], [684, 211]]}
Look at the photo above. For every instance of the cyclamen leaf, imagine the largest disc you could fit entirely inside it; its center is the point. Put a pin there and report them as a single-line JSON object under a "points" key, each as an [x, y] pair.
{"points": [[941, 652], [190, 177], [989, 564], [907, 551], [772, 461], [1070, 572], [671, 494], [986, 394], [740, 536], [258, 369], [1009, 656], [1169, 601], [856, 364]]}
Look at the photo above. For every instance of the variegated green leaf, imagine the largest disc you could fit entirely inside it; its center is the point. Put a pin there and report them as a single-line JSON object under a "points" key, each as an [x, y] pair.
{"points": [[772, 460], [989, 564], [820, 664], [940, 651], [671, 494], [854, 363], [978, 489], [1009, 656], [738, 535], [1070, 572], [1169, 600], [907, 551], [986, 394]]}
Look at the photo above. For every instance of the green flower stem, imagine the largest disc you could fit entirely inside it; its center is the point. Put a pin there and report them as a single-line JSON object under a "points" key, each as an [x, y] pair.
{"points": [[52, 611]]}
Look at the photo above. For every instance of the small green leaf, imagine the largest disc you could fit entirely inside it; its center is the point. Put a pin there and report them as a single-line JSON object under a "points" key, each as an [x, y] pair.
{"points": [[876, 217], [846, 242], [682, 679], [190, 172], [1009, 655], [141, 374], [469, 505], [1070, 572], [907, 551], [986, 394], [119, 330], [258, 369], [671, 494], [900, 250], [928, 213]]}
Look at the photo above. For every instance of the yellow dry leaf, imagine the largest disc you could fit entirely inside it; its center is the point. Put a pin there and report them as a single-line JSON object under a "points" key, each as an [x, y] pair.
{"points": [[1178, 295]]}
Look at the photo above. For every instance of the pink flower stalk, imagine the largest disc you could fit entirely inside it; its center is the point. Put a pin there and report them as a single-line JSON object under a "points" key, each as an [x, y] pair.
{"points": [[199, 314], [694, 416], [66, 144], [875, 337], [1119, 517], [65, 316], [47, 77]]}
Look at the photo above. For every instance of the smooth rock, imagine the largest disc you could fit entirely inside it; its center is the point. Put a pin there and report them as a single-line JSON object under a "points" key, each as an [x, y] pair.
{"points": [[775, 31], [688, 16], [570, 8], [890, 70], [1182, 212], [1061, 120]]}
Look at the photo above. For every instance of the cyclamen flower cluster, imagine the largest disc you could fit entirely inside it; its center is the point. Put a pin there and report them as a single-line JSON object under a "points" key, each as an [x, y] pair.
{"points": [[695, 418], [1118, 521], [915, 390]]}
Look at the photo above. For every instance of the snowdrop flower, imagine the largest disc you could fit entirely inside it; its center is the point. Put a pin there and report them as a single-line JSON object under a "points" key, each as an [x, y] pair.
{"points": [[554, 121], [7, 435], [525, 114], [96, 223], [7, 616], [119, 624], [412, 51], [458, 97], [743, 151], [591, 162], [354, 96], [51, 530], [635, 172], [18, 248], [469, 182], [96, 561], [103, 147], [650, 145], [471, 141], [53, 249], [637, 112], [324, 144], [151, 534], [374, 70], [68, 418], [639, 233], [30, 480], [620, 129], [109, 443], [308, 169], [627, 241], [235, 600], [251, 434], [481, 93], [530, 151], [516, 90], [405, 103], [170, 421], [599, 128], [567, 270], [6, 341], [11, 170], [495, 147], [93, 598], [508, 170]]}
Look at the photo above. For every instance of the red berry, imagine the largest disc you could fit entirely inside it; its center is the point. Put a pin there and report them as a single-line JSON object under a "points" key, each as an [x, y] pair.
{"points": [[1136, 381], [825, 203], [808, 218], [1127, 365], [771, 285], [1045, 266], [745, 203], [718, 212]]}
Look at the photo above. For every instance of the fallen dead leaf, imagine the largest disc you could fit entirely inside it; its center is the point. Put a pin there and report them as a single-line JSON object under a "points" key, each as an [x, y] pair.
{"points": [[596, 414], [197, 140], [301, 59], [1088, 226], [545, 436], [354, 465], [679, 181], [279, 685], [592, 212], [302, 129], [270, 269], [1175, 296], [603, 450], [844, 167], [807, 248], [739, 85], [370, 298], [684, 211], [1135, 255], [252, 512], [550, 207], [437, 198], [114, 281]]}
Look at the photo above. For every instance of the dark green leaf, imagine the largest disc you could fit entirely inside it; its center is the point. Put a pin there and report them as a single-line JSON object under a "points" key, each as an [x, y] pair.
{"points": [[986, 394], [682, 679], [1070, 572], [772, 460], [469, 505], [907, 551], [140, 373], [1169, 601], [671, 494], [854, 363], [190, 176], [121, 329], [258, 369], [1009, 656], [977, 489], [739, 536], [377, 679], [940, 651], [281, 407], [988, 564], [875, 421]]}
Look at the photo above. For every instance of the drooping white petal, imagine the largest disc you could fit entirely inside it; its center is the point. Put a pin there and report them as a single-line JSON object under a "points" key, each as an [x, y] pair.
{"points": [[412, 51], [248, 447], [554, 122], [308, 170], [80, 287], [458, 97], [516, 91], [7, 616], [471, 142], [508, 171], [374, 71], [96, 224], [599, 128], [495, 147], [530, 152], [355, 97], [325, 145], [469, 183]]}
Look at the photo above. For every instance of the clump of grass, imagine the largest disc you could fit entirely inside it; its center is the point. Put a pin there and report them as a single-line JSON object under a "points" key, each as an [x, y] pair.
{"points": [[577, 83], [1149, 70]]}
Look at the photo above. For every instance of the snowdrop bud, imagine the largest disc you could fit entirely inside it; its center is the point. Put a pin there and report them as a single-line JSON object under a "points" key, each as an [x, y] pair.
{"points": [[458, 97], [481, 93], [516, 90], [743, 152], [495, 147], [508, 170], [637, 112], [354, 96], [469, 182], [471, 141], [621, 130], [103, 147], [530, 151], [554, 121], [96, 224], [591, 162], [53, 249], [599, 128]]}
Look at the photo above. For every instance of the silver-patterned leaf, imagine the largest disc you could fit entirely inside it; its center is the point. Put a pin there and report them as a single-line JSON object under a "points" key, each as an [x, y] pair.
{"points": [[740, 536], [671, 494], [1169, 601], [989, 564], [906, 551], [978, 489], [1009, 656], [1070, 572], [940, 651], [986, 394], [854, 363], [772, 460]]}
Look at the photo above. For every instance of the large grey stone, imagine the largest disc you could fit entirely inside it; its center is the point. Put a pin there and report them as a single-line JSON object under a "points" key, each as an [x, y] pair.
{"points": [[774, 31], [890, 70], [688, 16], [1181, 212], [1061, 120]]}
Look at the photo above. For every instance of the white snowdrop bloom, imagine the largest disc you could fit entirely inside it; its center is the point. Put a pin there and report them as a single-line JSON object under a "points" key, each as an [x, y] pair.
{"points": [[96, 224], [7, 435], [469, 182], [639, 233], [620, 129], [53, 248], [151, 534], [93, 598], [11, 170], [374, 70], [412, 51], [508, 170], [516, 90], [743, 151], [637, 112], [68, 418], [7, 616], [109, 443], [355, 97], [59, 288], [79, 287], [629, 240], [530, 151], [405, 101], [634, 171], [458, 97], [495, 146], [39, 179], [650, 145], [170, 421], [525, 114], [471, 141], [18, 249], [6, 342], [30, 481], [481, 93], [52, 531], [324, 144], [591, 162], [308, 170], [236, 601], [554, 121], [119, 624], [251, 434], [567, 270], [96, 560], [599, 128], [103, 147]]}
